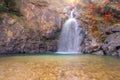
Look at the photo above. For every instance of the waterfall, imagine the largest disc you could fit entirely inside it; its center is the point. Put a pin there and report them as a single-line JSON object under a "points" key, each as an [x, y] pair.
{"points": [[71, 36], [72, 14]]}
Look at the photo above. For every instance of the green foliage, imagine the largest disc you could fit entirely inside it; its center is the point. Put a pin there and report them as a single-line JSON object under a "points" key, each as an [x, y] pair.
{"points": [[15, 2], [14, 13], [10, 7], [3, 8], [11, 3], [26, 28]]}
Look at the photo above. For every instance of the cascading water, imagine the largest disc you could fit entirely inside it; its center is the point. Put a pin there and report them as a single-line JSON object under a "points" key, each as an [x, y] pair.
{"points": [[71, 37]]}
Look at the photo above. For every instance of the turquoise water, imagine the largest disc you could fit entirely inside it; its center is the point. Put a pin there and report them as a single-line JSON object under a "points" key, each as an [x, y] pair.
{"points": [[59, 67]]}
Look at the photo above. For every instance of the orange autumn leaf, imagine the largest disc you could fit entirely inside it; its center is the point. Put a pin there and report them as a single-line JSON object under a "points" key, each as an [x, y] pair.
{"points": [[118, 5], [92, 28], [97, 33], [107, 17]]}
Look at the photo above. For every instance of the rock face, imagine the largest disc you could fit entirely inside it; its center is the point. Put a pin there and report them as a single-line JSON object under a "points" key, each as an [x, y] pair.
{"points": [[109, 46], [112, 42], [34, 32]]}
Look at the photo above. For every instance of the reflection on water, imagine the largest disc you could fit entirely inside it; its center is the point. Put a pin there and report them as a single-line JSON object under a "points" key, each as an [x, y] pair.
{"points": [[59, 67]]}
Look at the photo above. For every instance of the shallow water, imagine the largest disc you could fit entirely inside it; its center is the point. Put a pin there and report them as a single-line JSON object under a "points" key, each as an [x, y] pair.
{"points": [[59, 67]]}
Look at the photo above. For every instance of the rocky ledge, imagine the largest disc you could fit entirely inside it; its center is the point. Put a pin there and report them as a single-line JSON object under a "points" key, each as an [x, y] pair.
{"points": [[109, 46]]}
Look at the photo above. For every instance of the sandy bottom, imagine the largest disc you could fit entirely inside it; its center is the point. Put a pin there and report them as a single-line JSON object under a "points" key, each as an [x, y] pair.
{"points": [[59, 67]]}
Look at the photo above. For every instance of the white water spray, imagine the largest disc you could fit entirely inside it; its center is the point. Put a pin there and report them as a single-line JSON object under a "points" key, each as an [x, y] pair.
{"points": [[71, 37]]}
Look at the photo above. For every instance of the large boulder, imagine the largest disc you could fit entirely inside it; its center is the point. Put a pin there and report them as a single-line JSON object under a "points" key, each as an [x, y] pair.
{"points": [[112, 41], [109, 46]]}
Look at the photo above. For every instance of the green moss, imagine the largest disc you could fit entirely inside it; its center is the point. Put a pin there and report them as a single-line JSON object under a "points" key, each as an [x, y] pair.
{"points": [[15, 2], [57, 36], [10, 7], [11, 3], [48, 40], [55, 39], [3, 8], [26, 28], [63, 20], [14, 13]]}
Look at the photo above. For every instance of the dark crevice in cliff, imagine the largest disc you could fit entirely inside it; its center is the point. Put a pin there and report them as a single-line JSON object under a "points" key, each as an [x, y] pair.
{"points": [[118, 47]]}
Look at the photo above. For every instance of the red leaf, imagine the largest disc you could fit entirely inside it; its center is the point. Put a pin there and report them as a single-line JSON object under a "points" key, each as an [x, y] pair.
{"points": [[93, 28], [107, 17], [118, 5]]}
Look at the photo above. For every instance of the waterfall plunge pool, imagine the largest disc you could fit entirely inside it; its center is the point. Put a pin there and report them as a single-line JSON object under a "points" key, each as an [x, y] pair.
{"points": [[59, 67]]}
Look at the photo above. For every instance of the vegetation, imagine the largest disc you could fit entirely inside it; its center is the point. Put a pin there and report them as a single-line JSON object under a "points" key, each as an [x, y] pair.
{"points": [[99, 15], [3, 8], [11, 6]]}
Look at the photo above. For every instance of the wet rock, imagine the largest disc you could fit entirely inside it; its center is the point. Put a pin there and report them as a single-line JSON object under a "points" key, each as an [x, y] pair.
{"points": [[88, 49], [34, 51], [118, 52], [51, 47], [114, 54], [112, 43], [52, 35], [90, 46], [2, 50], [98, 52], [113, 30]]}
